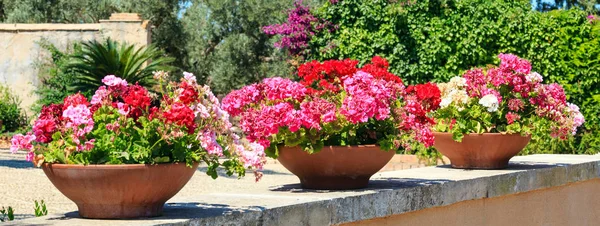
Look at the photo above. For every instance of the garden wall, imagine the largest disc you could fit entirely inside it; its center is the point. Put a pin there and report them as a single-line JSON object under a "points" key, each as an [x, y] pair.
{"points": [[572, 204], [20, 51]]}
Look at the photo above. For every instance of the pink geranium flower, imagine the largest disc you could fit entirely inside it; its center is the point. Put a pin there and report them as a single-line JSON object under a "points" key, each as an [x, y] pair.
{"points": [[113, 81], [22, 142]]}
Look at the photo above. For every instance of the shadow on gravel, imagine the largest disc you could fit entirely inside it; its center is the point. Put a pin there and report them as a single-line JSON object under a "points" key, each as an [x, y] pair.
{"points": [[13, 163]]}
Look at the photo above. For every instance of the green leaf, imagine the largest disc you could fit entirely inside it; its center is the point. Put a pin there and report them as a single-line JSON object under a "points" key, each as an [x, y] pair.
{"points": [[164, 159], [272, 151]]}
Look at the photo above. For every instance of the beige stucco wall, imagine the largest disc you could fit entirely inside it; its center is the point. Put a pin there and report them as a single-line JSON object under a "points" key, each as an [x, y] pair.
{"points": [[20, 51], [572, 204]]}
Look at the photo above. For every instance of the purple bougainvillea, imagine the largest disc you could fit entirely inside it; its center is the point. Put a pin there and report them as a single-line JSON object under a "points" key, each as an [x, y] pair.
{"points": [[297, 31]]}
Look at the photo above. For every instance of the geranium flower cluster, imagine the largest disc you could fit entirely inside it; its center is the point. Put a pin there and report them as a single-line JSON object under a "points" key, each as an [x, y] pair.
{"points": [[420, 100], [123, 124], [510, 95], [367, 97], [327, 76], [334, 98]]}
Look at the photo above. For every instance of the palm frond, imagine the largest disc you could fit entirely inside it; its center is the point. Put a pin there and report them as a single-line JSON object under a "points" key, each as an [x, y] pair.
{"points": [[98, 59]]}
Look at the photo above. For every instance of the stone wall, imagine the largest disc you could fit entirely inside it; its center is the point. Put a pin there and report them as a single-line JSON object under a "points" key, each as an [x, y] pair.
{"points": [[571, 204], [20, 51]]}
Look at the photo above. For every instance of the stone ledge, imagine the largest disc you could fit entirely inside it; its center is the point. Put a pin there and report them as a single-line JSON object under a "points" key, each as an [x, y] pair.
{"points": [[49, 27], [389, 193], [125, 17]]}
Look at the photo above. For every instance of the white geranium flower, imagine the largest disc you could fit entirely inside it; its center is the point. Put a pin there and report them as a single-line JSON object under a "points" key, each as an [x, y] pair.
{"points": [[490, 102], [458, 81], [445, 102]]}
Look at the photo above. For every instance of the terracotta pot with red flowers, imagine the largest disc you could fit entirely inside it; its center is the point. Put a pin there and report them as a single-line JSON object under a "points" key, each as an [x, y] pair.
{"points": [[123, 155], [339, 125], [487, 116]]}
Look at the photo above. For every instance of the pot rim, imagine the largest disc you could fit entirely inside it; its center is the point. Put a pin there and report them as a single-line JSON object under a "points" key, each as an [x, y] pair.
{"points": [[482, 134], [107, 166]]}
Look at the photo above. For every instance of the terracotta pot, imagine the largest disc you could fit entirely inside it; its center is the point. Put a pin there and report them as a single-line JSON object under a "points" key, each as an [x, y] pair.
{"points": [[480, 151], [119, 191], [335, 167]]}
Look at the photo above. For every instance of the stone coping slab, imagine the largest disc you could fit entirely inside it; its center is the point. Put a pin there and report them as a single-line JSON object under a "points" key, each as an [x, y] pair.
{"points": [[389, 193], [49, 27]]}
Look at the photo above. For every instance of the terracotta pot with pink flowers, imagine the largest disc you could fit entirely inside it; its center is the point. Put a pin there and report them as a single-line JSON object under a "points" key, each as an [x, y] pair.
{"points": [[126, 151], [340, 124], [487, 115]]}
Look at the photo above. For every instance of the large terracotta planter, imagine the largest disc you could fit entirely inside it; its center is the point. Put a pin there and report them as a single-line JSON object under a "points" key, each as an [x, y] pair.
{"points": [[119, 191], [480, 151], [335, 167]]}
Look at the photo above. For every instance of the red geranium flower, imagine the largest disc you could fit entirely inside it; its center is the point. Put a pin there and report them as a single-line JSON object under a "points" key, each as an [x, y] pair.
{"points": [[52, 111], [74, 100], [189, 94], [48, 122], [181, 115], [138, 98], [379, 69], [428, 94], [327, 75]]}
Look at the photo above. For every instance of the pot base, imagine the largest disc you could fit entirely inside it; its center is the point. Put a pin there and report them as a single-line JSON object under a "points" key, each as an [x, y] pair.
{"points": [[99, 211]]}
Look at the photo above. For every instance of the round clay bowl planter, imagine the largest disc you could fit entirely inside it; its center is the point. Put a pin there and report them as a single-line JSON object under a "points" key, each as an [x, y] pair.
{"points": [[335, 167], [119, 191], [480, 151]]}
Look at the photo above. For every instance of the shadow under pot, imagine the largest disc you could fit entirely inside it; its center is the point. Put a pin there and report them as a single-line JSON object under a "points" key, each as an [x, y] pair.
{"points": [[335, 167], [119, 191], [480, 151]]}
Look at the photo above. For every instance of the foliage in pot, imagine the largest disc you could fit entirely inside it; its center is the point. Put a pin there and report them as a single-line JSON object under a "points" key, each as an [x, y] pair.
{"points": [[508, 99], [127, 124], [335, 104]]}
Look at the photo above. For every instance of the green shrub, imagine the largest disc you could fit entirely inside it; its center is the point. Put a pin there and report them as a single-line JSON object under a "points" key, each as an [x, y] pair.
{"points": [[11, 115], [433, 40], [54, 81]]}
